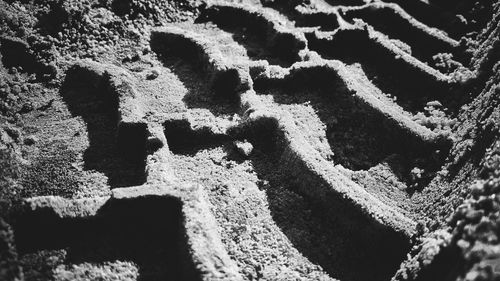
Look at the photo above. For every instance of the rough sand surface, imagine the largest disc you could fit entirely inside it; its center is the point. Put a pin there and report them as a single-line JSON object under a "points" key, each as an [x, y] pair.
{"points": [[249, 140]]}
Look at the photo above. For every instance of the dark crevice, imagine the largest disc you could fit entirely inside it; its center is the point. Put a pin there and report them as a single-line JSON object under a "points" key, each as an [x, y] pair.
{"points": [[118, 151], [54, 21], [148, 232]]}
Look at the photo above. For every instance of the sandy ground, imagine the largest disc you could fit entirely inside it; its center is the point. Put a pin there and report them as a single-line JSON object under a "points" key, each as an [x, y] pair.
{"points": [[247, 140]]}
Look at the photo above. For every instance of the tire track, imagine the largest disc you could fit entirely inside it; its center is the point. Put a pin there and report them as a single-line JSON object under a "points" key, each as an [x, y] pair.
{"points": [[232, 183]]}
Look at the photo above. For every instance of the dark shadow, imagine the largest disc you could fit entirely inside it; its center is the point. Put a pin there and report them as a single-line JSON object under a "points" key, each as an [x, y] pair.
{"points": [[8, 254], [475, 154], [356, 136], [118, 152], [325, 22], [388, 21], [124, 7], [182, 57], [253, 33], [329, 231], [345, 2], [412, 87], [446, 266], [16, 53], [183, 140], [147, 231], [339, 242], [433, 16], [359, 136]]}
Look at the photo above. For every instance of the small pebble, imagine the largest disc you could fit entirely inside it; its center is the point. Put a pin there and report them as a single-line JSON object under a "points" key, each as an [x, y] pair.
{"points": [[244, 147], [153, 74], [435, 104], [416, 173]]}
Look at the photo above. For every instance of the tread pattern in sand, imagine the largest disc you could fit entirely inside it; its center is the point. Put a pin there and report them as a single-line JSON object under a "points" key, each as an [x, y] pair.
{"points": [[274, 142]]}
